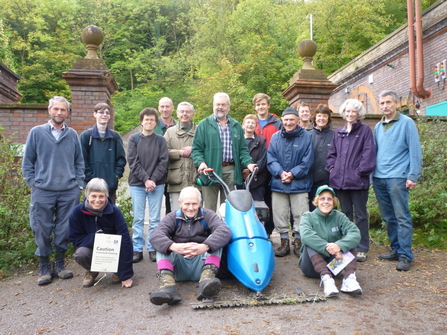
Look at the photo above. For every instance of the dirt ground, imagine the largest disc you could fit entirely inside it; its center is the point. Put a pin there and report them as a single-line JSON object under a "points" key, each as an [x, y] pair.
{"points": [[393, 302]]}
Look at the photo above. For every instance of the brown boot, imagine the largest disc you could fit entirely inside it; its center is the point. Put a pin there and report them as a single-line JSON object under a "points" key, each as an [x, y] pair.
{"points": [[89, 279], [297, 247], [209, 285], [167, 294], [284, 248]]}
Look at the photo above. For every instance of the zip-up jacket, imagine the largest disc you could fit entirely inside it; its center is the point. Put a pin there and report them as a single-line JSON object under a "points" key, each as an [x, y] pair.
{"points": [[291, 152], [351, 157], [168, 231], [317, 230], [321, 141], [272, 125], [83, 225], [103, 158]]}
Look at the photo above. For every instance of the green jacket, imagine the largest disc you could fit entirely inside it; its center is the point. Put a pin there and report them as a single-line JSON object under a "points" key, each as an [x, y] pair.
{"points": [[207, 147], [317, 230], [161, 128]]}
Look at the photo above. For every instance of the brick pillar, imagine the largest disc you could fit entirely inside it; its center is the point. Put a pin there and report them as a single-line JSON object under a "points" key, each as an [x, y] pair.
{"points": [[308, 84], [90, 83]]}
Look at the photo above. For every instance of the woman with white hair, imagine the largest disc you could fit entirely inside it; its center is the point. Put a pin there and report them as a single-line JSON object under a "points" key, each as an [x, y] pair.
{"points": [[350, 161]]}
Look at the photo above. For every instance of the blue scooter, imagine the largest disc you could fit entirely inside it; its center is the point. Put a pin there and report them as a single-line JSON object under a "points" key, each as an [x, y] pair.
{"points": [[250, 254]]}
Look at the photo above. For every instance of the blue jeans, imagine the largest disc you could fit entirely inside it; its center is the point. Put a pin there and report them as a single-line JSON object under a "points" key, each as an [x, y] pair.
{"points": [[392, 196], [154, 198]]}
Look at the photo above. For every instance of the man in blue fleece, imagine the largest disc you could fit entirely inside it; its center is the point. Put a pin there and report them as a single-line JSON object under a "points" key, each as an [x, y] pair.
{"points": [[53, 167], [398, 167]]}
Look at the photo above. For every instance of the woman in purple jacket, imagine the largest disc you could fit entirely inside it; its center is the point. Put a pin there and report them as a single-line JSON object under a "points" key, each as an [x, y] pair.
{"points": [[351, 159]]}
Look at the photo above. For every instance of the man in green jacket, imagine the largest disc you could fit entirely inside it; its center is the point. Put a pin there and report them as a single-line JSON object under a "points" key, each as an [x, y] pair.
{"points": [[219, 144], [103, 150]]}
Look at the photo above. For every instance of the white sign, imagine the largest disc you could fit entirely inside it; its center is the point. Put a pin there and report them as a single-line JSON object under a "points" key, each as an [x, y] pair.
{"points": [[106, 253]]}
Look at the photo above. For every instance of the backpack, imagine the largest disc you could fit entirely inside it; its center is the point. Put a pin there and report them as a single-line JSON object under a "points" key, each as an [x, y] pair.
{"points": [[89, 131], [178, 221]]}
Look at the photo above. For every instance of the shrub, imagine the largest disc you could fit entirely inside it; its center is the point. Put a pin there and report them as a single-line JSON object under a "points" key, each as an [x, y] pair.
{"points": [[428, 201], [16, 239], [124, 202]]}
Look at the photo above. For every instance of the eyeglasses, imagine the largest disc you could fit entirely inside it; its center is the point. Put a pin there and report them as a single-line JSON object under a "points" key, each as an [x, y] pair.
{"points": [[103, 112]]}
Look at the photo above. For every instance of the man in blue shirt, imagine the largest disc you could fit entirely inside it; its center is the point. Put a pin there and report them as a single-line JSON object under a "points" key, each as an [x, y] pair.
{"points": [[398, 167]]}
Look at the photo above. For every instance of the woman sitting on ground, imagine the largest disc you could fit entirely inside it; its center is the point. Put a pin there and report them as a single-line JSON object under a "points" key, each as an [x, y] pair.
{"points": [[98, 214], [326, 234]]}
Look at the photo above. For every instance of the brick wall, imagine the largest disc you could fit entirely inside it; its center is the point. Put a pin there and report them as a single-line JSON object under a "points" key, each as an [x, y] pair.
{"points": [[388, 64], [18, 119]]}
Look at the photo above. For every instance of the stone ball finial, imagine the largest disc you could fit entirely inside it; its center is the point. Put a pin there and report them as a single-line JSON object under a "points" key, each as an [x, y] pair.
{"points": [[92, 37], [307, 50]]}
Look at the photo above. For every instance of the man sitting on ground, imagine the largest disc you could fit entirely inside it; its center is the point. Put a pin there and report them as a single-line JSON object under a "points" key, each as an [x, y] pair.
{"points": [[189, 245]]}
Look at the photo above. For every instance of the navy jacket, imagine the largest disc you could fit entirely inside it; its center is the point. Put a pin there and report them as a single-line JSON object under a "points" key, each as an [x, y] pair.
{"points": [[322, 140], [104, 159], [351, 158], [84, 225], [291, 152]]}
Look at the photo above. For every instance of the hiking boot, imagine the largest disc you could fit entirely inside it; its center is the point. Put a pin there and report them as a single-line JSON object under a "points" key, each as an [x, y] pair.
{"points": [[351, 285], [44, 274], [89, 279], [404, 264], [167, 294], [60, 271], [115, 279], [137, 256], [392, 256], [209, 285], [362, 256], [284, 248], [329, 286], [153, 256], [296, 247]]}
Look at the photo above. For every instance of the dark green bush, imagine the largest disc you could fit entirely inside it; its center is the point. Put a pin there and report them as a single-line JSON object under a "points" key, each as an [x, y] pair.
{"points": [[428, 201], [16, 239]]}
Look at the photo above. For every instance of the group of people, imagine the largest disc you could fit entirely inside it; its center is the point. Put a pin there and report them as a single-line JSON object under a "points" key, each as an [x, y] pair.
{"points": [[304, 170]]}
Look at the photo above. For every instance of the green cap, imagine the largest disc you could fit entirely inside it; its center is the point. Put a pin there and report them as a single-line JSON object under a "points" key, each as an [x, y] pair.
{"points": [[325, 188]]}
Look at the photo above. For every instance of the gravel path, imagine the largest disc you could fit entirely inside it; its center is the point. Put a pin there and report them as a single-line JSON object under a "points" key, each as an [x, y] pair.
{"points": [[393, 302]]}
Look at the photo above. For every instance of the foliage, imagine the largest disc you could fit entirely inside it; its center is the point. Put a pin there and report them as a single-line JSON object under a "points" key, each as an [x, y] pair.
{"points": [[428, 201], [16, 239], [187, 49], [124, 202]]}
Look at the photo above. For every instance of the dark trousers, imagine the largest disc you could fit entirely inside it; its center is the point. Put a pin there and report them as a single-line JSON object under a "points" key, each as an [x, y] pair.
{"points": [[353, 202], [313, 264], [83, 256]]}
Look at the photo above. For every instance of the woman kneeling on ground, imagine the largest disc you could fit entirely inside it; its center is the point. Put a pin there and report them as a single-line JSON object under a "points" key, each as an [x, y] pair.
{"points": [[98, 214], [326, 234]]}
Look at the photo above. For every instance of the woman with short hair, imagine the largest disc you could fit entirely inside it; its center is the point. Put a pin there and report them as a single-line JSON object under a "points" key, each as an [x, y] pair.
{"points": [[98, 215]]}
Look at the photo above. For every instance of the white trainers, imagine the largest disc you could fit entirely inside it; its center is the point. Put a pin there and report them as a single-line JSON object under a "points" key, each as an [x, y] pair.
{"points": [[351, 285], [329, 286]]}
